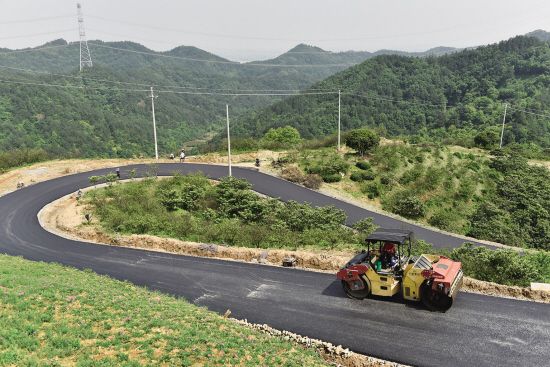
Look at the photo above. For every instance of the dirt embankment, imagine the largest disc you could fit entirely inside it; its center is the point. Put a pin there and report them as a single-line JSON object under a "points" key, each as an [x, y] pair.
{"points": [[65, 217]]}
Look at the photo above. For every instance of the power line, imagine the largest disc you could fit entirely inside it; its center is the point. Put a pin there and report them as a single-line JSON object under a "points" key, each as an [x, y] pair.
{"points": [[141, 39], [529, 112], [35, 19], [81, 77], [39, 34], [223, 62], [388, 99], [27, 82], [245, 37]]}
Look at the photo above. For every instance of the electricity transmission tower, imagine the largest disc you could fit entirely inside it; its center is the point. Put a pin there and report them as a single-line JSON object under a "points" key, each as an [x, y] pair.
{"points": [[85, 55]]}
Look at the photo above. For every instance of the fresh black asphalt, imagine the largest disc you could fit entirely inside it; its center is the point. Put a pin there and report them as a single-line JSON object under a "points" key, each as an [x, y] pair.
{"points": [[477, 331]]}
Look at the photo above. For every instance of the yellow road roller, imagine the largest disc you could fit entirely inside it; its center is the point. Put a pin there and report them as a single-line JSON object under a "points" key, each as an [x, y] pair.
{"points": [[387, 268]]}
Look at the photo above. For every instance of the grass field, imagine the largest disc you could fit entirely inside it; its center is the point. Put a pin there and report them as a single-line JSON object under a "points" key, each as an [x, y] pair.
{"points": [[51, 315]]}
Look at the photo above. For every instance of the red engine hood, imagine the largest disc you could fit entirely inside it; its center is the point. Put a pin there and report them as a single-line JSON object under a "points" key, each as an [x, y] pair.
{"points": [[444, 271]]}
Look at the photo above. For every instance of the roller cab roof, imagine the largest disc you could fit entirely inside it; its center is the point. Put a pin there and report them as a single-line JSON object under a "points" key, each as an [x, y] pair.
{"points": [[397, 236]]}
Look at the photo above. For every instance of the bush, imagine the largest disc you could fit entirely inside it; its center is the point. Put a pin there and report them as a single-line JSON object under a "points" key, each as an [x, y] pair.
{"points": [[313, 181], [362, 140], [372, 189], [282, 137], [499, 266], [407, 205], [487, 139], [293, 174], [447, 220], [362, 176], [20, 157], [332, 178], [364, 165], [330, 168]]}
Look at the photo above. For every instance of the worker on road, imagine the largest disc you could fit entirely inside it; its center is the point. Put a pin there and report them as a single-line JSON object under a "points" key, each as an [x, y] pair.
{"points": [[182, 156]]}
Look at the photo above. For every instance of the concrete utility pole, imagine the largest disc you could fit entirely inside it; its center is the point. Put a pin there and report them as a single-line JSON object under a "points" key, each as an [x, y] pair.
{"points": [[154, 123], [503, 122], [228, 139], [339, 114]]}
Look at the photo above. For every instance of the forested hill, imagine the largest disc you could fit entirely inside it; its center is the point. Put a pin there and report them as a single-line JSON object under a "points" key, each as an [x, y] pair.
{"points": [[102, 119], [108, 121], [456, 95]]}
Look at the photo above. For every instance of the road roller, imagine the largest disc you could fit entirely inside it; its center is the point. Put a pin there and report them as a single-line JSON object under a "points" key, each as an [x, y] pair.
{"points": [[386, 268]]}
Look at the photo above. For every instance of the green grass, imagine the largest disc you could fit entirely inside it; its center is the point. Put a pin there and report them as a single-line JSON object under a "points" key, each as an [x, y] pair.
{"points": [[51, 315]]}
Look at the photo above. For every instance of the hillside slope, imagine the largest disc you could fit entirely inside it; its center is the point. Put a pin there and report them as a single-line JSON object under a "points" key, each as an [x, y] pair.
{"points": [[465, 90], [104, 120]]}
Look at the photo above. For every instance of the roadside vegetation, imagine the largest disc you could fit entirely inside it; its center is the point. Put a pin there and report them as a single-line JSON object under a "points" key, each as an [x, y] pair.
{"points": [[196, 209], [491, 195], [21, 157], [97, 321]]}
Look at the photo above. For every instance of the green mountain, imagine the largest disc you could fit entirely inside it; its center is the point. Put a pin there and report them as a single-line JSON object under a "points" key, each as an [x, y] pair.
{"points": [[540, 35], [91, 113], [460, 93]]}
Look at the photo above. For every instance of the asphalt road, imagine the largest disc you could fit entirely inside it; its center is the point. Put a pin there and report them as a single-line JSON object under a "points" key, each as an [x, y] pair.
{"points": [[476, 331]]}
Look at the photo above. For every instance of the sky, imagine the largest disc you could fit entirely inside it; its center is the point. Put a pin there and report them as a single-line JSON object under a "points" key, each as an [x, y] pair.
{"points": [[244, 30]]}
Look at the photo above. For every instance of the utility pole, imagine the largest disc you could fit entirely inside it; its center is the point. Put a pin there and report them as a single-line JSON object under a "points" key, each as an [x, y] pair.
{"points": [[85, 55], [503, 122], [228, 139], [154, 123], [339, 115]]}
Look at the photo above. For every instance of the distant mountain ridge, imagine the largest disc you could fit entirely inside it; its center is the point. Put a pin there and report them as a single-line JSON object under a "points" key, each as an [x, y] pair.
{"points": [[411, 95], [540, 35]]}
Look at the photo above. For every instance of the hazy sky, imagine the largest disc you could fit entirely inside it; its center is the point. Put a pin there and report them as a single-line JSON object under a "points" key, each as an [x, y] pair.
{"points": [[254, 29]]}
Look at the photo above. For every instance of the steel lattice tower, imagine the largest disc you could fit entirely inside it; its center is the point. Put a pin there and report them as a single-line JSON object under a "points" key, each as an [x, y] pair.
{"points": [[85, 55]]}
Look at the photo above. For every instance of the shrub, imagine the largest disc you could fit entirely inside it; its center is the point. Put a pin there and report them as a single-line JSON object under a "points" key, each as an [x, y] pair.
{"points": [[282, 137], [487, 139], [448, 220], [364, 165], [499, 266], [362, 176], [313, 181], [365, 227], [332, 178], [19, 157], [372, 189], [293, 174], [329, 168], [362, 140], [407, 204]]}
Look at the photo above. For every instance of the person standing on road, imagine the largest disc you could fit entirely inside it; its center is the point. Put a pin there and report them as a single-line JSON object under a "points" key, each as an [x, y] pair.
{"points": [[182, 156]]}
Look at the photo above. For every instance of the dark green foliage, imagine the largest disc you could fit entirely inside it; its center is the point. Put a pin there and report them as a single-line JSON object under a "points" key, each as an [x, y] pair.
{"points": [[190, 207], [329, 167], [20, 157], [102, 120], [448, 99], [361, 176], [362, 140], [487, 139], [501, 266], [518, 213], [407, 204], [364, 165]]}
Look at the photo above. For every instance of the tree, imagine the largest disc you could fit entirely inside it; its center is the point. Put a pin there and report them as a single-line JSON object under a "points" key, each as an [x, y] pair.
{"points": [[362, 140], [282, 137], [487, 139]]}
